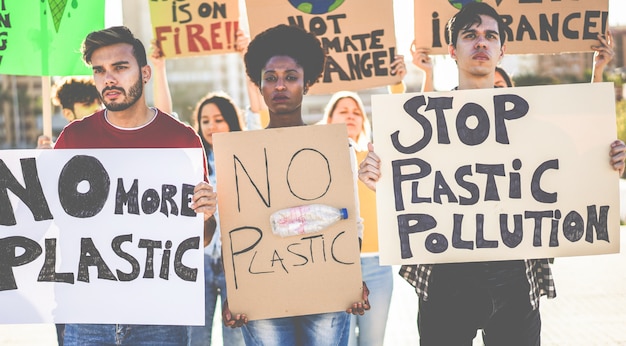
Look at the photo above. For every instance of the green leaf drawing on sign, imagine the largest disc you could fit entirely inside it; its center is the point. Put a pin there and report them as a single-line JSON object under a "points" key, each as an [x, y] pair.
{"points": [[43, 37]]}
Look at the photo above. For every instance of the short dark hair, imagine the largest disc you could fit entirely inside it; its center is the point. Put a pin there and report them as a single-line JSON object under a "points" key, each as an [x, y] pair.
{"points": [[111, 36], [71, 90], [469, 15], [289, 41]]}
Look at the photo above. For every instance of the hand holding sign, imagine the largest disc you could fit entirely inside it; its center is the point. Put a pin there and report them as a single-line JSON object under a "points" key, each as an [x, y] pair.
{"points": [[618, 154], [369, 169], [204, 200]]}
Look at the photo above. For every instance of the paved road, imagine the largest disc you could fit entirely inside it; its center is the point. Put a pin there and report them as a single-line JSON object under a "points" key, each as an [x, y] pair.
{"points": [[590, 308]]}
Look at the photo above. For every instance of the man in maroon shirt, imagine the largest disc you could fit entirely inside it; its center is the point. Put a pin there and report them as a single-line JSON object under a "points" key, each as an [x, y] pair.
{"points": [[120, 71]]}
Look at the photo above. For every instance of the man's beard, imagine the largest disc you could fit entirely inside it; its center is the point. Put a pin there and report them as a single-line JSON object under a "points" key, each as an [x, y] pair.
{"points": [[131, 97]]}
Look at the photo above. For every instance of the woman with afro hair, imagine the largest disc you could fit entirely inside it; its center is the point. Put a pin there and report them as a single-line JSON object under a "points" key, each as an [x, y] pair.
{"points": [[284, 62]]}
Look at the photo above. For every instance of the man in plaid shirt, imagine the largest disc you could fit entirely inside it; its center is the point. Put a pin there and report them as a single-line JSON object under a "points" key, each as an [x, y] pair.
{"points": [[499, 297]]}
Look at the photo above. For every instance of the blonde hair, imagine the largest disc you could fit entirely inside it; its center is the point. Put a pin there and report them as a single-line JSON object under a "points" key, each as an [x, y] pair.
{"points": [[365, 134]]}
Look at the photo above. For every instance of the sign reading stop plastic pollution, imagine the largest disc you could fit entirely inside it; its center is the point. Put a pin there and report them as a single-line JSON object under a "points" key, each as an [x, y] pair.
{"points": [[496, 174]]}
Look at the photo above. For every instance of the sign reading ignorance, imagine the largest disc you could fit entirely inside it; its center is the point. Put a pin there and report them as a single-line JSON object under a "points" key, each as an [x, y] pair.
{"points": [[532, 26], [195, 27], [358, 36], [496, 174], [101, 236], [261, 172]]}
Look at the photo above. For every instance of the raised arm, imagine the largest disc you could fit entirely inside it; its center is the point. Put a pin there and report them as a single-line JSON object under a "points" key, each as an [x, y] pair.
{"points": [[162, 95], [422, 59], [602, 56], [398, 68], [254, 94]]}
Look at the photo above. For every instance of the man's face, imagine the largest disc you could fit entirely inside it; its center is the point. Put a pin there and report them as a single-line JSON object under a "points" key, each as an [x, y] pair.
{"points": [[282, 84], [478, 50], [118, 77]]}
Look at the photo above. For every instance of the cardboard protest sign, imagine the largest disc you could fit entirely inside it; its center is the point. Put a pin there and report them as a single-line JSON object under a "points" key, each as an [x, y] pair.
{"points": [[101, 236], [43, 37], [496, 174], [532, 26], [261, 172], [358, 36], [194, 27]]}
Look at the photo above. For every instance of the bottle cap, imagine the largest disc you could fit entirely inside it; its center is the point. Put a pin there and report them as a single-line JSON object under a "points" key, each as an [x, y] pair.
{"points": [[344, 213]]}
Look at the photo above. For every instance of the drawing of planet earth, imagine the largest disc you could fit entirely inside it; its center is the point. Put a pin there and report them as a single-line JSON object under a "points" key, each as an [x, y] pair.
{"points": [[460, 3], [316, 6]]}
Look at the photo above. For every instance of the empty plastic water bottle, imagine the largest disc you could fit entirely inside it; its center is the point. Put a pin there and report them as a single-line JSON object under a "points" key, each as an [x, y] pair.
{"points": [[305, 219]]}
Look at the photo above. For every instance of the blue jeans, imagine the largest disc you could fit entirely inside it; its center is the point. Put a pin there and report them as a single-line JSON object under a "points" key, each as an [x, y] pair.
{"points": [[310, 330], [372, 325], [125, 334], [459, 304], [214, 286]]}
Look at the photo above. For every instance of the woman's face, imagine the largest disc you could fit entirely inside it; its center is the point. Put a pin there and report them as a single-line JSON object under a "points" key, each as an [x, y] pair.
{"points": [[499, 81], [282, 85], [212, 121], [347, 112]]}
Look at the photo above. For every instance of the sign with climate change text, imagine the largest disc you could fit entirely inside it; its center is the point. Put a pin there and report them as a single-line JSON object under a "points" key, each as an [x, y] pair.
{"points": [[358, 36], [531, 26], [101, 236], [496, 174], [260, 172]]}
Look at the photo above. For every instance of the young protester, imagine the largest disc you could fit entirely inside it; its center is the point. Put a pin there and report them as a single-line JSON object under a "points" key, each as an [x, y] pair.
{"points": [[120, 71], [284, 62], [77, 97], [501, 298]]}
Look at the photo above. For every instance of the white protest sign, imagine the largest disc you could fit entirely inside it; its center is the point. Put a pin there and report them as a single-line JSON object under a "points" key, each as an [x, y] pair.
{"points": [[496, 174], [101, 236]]}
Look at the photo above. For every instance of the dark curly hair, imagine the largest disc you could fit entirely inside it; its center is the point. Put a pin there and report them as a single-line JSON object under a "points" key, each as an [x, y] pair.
{"points": [[289, 41], [71, 90]]}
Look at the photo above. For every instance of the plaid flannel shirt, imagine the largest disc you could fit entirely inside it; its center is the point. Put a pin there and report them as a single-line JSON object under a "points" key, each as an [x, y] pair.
{"points": [[538, 274]]}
